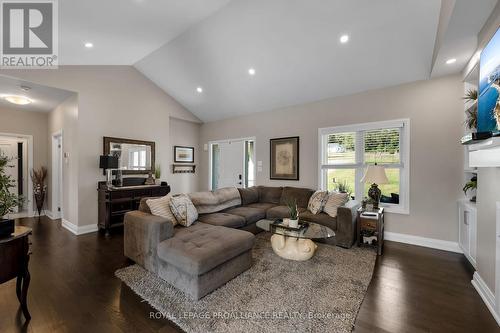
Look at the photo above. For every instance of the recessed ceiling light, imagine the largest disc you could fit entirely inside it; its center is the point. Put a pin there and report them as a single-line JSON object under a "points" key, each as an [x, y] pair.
{"points": [[344, 39], [199, 90], [89, 45], [251, 71], [19, 100], [451, 61]]}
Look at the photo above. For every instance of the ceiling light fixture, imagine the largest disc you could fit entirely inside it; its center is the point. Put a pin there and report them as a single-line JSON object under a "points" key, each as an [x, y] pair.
{"points": [[251, 71], [199, 90], [19, 100], [89, 45], [344, 39], [451, 61]]}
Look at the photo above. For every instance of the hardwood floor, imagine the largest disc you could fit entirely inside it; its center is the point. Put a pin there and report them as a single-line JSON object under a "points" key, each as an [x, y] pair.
{"points": [[73, 289]]}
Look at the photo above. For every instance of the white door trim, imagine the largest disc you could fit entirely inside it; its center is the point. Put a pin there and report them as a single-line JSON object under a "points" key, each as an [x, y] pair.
{"points": [[55, 171], [210, 143], [29, 197]]}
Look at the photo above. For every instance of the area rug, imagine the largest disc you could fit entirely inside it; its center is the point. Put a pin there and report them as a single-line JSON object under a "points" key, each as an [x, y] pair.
{"points": [[322, 294]]}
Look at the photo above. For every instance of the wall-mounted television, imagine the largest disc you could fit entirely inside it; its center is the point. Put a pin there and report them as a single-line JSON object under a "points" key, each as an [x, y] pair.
{"points": [[488, 104]]}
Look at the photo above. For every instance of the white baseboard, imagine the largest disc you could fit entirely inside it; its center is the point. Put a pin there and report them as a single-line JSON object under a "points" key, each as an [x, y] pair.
{"points": [[49, 214], [77, 230], [486, 294], [423, 241], [25, 215]]}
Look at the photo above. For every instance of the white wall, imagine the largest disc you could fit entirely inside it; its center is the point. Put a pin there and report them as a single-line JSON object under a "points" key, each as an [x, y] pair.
{"points": [[65, 118], [112, 101], [27, 123], [435, 109], [183, 133], [488, 188]]}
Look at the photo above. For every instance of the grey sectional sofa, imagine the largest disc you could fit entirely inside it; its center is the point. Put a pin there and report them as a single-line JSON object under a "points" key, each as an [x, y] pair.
{"points": [[200, 258]]}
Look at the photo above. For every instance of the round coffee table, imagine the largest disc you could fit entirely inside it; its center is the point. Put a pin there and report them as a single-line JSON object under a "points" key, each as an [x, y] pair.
{"points": [[295, 244]]}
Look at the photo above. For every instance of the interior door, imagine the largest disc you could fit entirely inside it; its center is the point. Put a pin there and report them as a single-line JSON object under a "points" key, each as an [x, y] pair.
{"points": [[231, 166], [9, 148]]}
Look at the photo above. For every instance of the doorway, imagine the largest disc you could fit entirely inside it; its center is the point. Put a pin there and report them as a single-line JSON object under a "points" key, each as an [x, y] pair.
{"points": [[19, 150], [232, 163], [57, 175]]}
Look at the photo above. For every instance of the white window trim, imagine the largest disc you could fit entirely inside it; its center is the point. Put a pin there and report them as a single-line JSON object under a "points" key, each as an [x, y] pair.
{"points": [[404, 181]]}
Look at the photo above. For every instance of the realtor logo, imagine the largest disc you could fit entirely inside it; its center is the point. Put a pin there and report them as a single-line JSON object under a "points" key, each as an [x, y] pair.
{"points": [[29, 34]]}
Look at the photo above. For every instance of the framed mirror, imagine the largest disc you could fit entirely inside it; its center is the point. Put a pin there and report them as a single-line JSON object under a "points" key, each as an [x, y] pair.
{"points": [[135, 157]]}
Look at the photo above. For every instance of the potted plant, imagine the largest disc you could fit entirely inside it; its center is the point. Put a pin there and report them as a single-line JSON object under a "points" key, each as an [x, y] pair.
{"points": [[38, 177], [8, 200], [158, 174], [342, 187], [471, 185], [293, 210], [471, 112]]}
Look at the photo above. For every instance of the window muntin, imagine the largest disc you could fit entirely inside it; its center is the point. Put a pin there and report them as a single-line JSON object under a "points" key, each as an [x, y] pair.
{"points": [[356, 147]]}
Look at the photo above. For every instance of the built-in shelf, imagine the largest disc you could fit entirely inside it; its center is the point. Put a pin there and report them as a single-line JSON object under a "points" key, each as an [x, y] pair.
{"points": [[485, 154]]}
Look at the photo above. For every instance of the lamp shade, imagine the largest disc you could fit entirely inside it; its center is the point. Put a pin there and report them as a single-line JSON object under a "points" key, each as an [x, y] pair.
{"points": [[375, 174], [108, 162]]}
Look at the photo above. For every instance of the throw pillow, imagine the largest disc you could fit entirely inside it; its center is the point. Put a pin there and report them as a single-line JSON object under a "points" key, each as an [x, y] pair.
{"points": [[183, 209], [161, 207], [317, 202], [334, 201]]}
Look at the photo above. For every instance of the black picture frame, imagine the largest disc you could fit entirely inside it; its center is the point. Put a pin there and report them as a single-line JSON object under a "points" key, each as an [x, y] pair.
{"points": [[177, 160], [292, 157]]}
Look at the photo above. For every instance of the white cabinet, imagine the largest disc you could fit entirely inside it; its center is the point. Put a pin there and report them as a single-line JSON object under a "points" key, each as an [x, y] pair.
{"points": [[467, 227]]}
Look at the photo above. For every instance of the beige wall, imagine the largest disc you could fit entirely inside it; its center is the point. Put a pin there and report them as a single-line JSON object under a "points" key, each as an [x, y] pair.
{"points": [[28, 123], [112, 101], [488, 194], [488, 189], [435, 109], [183, 133], [64, 119]]}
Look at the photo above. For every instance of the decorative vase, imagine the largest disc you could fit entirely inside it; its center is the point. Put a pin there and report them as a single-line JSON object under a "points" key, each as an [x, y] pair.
{"points": [[39, 195], [293, 223], [6, 227]]}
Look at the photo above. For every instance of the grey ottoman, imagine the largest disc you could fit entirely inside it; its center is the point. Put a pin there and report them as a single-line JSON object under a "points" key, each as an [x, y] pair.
{"points": [[203, 257]]}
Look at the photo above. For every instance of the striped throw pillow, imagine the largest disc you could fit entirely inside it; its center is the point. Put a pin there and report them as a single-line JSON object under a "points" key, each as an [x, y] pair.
{"points": [[334, 201], [161, 207]]}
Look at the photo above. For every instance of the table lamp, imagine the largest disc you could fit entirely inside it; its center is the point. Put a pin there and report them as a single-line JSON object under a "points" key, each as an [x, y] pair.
{"points": [[375, 174], [108, 163]]}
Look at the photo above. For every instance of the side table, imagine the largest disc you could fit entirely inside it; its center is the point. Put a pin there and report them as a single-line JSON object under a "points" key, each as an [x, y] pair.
{"points": [[14, 258], [371, 225]]}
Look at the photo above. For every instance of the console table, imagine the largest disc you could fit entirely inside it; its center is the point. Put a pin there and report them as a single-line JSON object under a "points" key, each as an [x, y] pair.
{"points": [[115, 202], [14, 258]]}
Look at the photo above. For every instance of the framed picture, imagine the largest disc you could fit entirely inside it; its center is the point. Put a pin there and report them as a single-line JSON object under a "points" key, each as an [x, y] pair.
{"points": [[183, 154], [285, 158]]}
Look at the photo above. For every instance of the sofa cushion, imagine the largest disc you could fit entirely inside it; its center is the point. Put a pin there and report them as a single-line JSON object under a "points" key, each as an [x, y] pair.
{"points": [[321, 218], [280, 212], [317, 201], [334, 201], [161, 207], [202, 247], [223, 219], [183, 209], [269, 194], [249, 195], [250, 214], [302, 195], [262, 205], [215, 201]]}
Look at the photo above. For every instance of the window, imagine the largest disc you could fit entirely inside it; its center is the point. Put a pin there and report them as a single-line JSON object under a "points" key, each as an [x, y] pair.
{"points": [[346, 151]]}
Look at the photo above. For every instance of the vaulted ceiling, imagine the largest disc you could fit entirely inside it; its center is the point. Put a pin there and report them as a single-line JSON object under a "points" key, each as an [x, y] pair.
{"points": [[293, 46]]}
